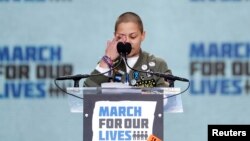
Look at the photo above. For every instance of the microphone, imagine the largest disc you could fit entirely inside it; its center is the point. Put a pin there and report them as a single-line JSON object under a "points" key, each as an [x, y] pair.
{"points": [[169, 77], [123, 48], [73, 77]]}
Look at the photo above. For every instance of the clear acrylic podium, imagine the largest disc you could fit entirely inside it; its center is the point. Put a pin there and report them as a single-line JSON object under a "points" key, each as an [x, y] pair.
{"points": [[125, 113]]}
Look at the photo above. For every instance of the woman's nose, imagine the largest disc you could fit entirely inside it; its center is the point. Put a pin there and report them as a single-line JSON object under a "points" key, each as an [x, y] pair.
{"points": [[124, 38]]}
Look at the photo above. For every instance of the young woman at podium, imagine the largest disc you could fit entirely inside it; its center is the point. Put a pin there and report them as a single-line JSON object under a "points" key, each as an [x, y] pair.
{"points": [[129, 30]]}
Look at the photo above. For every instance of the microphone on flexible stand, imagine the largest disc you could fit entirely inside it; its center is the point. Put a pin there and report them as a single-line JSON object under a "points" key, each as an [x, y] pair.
{"points": [[169, 76], [72, 77], [125, 48], [76, 78]]}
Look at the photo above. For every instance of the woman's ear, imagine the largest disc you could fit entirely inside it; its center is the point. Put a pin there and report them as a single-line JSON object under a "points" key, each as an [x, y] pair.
{"points": [[143, 35]]}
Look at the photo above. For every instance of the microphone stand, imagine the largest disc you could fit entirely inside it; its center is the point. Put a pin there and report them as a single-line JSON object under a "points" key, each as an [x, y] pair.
{"points": [[124, 56], [75, 78], [169, 78], [125, 49], [76, 82], [171, 83]]}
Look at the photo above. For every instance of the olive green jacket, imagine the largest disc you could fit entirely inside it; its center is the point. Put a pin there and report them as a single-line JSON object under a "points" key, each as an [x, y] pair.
{"points": [[145, 63]]}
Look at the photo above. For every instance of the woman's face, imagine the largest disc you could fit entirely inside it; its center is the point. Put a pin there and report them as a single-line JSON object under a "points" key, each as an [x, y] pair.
{"points": [[130, 32]]}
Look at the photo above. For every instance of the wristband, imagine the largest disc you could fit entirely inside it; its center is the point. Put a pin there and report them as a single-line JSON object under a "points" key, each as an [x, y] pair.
{"points": [[108, 61]]}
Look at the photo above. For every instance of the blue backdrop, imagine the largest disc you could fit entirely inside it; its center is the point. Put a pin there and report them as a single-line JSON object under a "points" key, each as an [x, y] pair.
{"points": [[206, 41]]}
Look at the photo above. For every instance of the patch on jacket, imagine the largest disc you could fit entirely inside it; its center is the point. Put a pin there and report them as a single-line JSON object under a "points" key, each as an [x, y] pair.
{"points": [[146, 83]]}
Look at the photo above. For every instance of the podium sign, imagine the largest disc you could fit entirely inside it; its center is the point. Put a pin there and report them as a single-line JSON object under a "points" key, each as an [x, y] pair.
{"points": [[123, 114], [126, 117]]}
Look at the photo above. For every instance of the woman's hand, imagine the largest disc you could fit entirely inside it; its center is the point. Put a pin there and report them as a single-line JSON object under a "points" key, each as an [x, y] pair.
{"points": [[111, 49]]}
